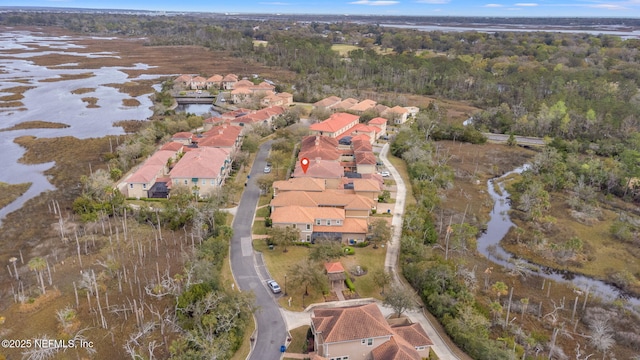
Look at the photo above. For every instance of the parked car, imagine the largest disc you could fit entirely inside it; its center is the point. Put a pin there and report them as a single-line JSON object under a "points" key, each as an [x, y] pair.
{"points": [[385, 173], [275, 288], [267, 169]]}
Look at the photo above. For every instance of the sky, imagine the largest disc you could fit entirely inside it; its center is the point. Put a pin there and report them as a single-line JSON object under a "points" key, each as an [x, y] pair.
{"points": [[517, 8]]}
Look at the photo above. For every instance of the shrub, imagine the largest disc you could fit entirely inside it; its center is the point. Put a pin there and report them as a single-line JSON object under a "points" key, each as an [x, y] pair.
{"points": [[268, 222], [348, 250], [349, 283]]}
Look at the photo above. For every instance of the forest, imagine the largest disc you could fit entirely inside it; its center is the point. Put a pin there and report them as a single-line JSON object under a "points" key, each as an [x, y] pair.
{"points": [[577, 91]]}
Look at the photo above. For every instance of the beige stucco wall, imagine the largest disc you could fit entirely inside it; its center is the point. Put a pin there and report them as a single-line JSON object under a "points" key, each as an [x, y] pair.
{"points": [[354, 349], [137, 191]]}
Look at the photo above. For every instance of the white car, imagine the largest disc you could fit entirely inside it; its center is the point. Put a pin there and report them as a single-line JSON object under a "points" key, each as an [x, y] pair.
{"points": [[385, 173], [267, 169], [275, 288]]}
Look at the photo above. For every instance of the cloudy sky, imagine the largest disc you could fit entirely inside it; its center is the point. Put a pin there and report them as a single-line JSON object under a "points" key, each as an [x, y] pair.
{"points": [[556, 8]]}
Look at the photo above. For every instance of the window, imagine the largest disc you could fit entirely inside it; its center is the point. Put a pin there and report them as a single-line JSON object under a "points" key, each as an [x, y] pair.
{"points": [[368, 342], [328, 222], [130, 186], [144, 186], [294, 226], [186, 182], [308, 226], [308, 238], [204, 182], [338, 222], [420, 348], [317, 221]]}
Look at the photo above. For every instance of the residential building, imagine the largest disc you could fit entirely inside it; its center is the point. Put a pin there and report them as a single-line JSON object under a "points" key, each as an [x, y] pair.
{"points": [[398, 114], [380, 123], [280, 99], [335, 125], [320, 223], [363, 106], [316, 147], [264, 116], [183, 81], [327, 103], [354, 205], [306, 184], [184, 137], [202, 169], [345, 104], [223, 136], [229, 81], [143, 179], [362, 333], [214, 82], [198, 83], [330, 171]]}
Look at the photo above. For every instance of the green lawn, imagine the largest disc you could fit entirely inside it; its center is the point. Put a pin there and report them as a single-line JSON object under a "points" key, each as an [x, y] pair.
{"points": [[298, 340], [279, 262], [343, 49], [262, 212], [259, 228]]}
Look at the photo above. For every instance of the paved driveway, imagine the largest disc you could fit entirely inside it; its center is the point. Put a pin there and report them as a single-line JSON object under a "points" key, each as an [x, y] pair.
{"points": [[271, 330]]}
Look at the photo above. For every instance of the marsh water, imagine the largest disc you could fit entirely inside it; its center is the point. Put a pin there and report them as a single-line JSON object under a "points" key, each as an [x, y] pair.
{"points": [[499, 225], [52, 99]]}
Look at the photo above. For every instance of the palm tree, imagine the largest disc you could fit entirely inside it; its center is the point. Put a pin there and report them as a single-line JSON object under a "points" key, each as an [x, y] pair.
{"points": [[38, 264], [500, 289]]}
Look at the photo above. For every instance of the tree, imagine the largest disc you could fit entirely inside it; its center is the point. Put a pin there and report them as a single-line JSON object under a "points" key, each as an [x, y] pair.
{"points": [[309, 274], [284, 236], [380, 232], [399, 300], [500, 288], [264, 182], [38, 264], [325, 250], [381, 278]]}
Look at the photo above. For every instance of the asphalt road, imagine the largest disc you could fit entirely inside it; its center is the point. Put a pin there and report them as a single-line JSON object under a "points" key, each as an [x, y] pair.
{"points": [[271, 328]]}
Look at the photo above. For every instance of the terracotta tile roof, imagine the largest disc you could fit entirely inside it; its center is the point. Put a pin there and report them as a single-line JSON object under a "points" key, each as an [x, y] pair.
{"points": [[299, 184], [381, 108], [215, 78], [349, 226], [363, 105], [214, 120], [324, 154], [345, 104], [361, 143], [243, 83], [414, 334], [395, 349], [328, 198], [378, 121], [241, 91], [321, 169], [365, 158], [152, 167], [182, 135], [335, 122], [230, 78], [205, 162], [334, 267], [398, 110], [310, 141], [327, 102], [220, 136], [365, 185], [350, 323], [295, 214], [183, 78], [198, 79], [172, 146]]}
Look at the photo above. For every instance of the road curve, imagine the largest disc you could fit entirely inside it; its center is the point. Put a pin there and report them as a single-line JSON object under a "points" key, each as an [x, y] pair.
{"points": [[271, 330]]}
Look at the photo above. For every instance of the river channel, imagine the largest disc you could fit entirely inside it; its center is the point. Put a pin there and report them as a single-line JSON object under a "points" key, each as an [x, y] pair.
{"points": [[499, 225]]}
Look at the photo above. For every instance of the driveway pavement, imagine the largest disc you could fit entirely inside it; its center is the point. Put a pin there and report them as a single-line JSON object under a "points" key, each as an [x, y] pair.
{"points": [[271, 332]]}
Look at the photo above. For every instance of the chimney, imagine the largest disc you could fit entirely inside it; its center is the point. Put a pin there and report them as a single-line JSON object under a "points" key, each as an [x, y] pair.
{"points": [[317, 140], [220, 131], [318, 160]]}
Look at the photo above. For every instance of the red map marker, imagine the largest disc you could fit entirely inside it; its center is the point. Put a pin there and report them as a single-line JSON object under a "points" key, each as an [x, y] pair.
{"points": [[304, 164]]}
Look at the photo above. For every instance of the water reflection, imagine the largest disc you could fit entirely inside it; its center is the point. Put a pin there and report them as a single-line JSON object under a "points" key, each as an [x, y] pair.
{"points": [[499, 225], [54, 101]]}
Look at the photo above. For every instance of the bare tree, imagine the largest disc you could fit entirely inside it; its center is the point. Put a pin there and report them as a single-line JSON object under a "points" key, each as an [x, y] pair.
{"points": [[399, 299]]}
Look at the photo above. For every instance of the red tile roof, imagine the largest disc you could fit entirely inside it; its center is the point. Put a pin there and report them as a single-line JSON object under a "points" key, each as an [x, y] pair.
{"points": [[215, 78], [365, 158], [335, 122], [328, 102], [182, 135], [172, 146], [220, 136], [328, 198], [321, 169], [310, 141], [363, 105], [378, 121], [230, 78], [345, 104], [350, 323], [398, 110], [395, 349], [414, 334], [334, 267], [152, 167], [203, 162], [299, 184], [295, 214]]}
